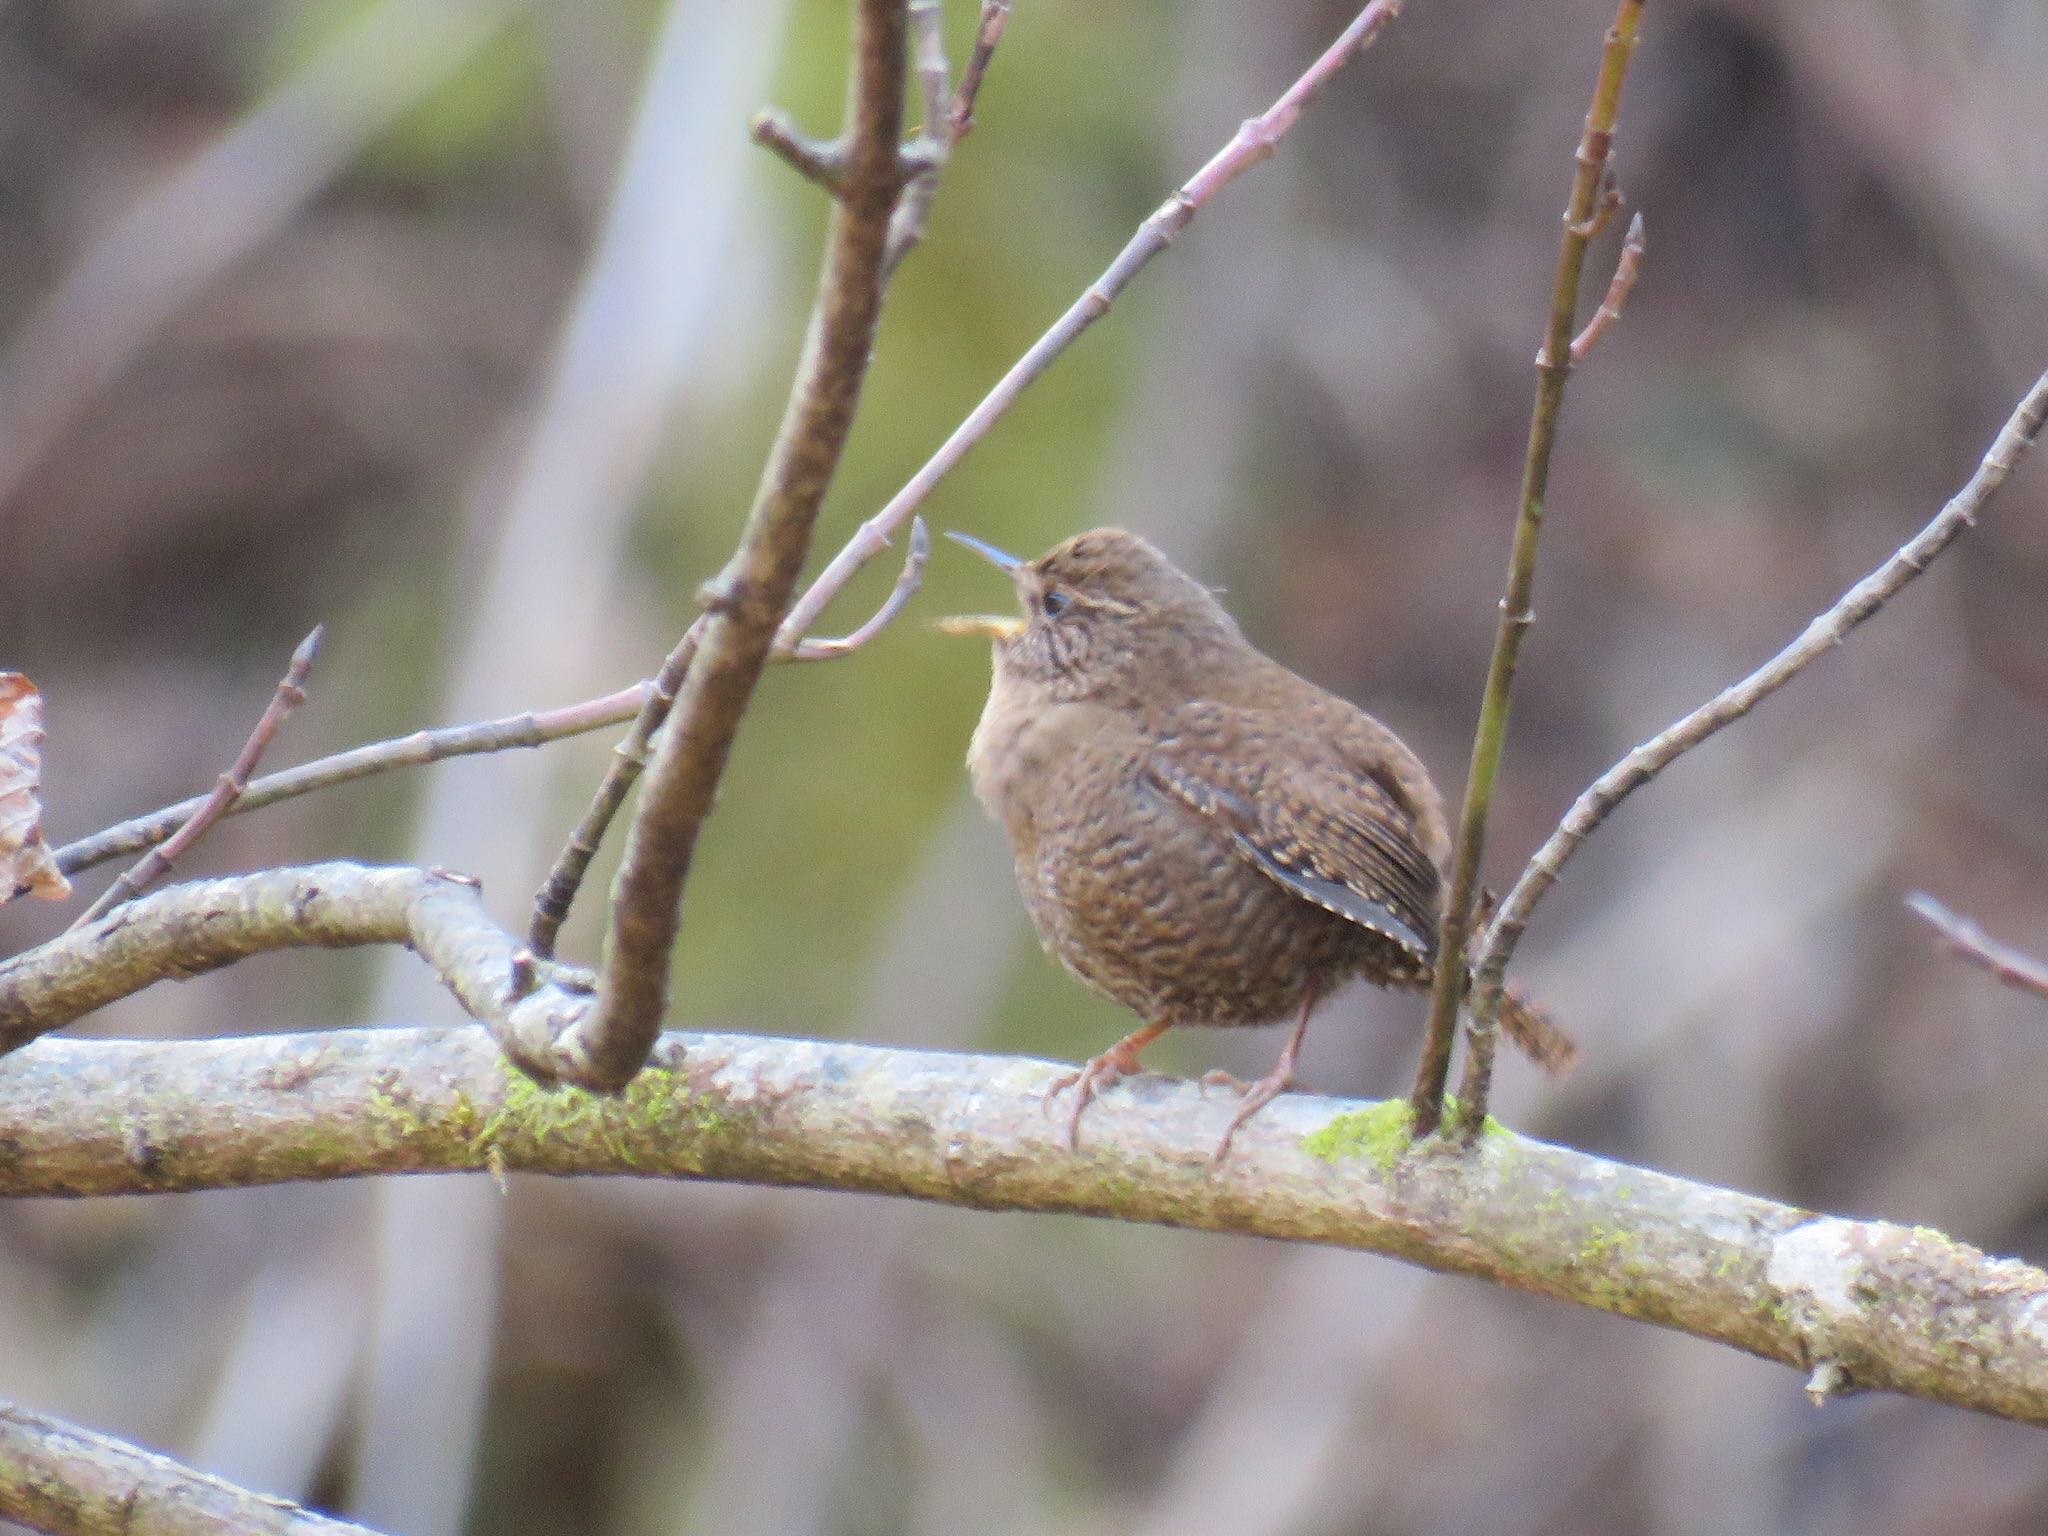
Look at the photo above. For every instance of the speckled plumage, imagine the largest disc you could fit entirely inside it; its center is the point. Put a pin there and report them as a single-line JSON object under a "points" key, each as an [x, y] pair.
{"points": [[1199, 834]]}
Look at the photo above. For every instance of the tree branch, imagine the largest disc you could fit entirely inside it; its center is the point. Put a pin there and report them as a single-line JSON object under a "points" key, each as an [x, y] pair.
{"points": [[188, 930], [1885, 1307], [57, 1477], [604, 1048], [1582, 217], [1819, 638]]}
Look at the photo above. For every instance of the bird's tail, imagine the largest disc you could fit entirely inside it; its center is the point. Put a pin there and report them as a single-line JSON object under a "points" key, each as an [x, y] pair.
{"points": [[1526, 1025], [1534, 1034]]}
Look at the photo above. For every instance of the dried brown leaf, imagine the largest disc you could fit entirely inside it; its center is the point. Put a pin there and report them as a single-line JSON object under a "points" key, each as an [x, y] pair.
{"points": [[25, 863]]}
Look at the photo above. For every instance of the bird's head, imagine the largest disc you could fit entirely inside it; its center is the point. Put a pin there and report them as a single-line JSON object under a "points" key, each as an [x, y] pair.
{"points": [[1106, 616]]}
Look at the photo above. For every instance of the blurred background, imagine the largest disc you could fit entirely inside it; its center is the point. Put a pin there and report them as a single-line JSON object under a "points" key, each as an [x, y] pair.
{"points": [[462, 326]]}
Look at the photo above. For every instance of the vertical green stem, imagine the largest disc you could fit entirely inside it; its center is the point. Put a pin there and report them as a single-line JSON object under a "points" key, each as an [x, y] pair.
{"points": [[1553, 368]]}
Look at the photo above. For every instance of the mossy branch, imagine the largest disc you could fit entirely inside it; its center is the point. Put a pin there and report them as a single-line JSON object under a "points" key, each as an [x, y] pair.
{"points": [[1857, 1304]]}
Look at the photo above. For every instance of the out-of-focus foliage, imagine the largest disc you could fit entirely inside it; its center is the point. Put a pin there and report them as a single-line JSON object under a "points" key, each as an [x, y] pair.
{"points": [[1319, 397]]}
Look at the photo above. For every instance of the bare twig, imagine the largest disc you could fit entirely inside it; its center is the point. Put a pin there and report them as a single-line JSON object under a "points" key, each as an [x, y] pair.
{"points": [[1553, 369], [533, 729], [816, 160], [1254, 142], [934, 77], [557, 894], [907, 582], [1965, 938], [934, 141], [605, 1047], [995, 15], [1900, 1309], [1626, 270], [154, 865], [59, 1478], [1819, 638]]}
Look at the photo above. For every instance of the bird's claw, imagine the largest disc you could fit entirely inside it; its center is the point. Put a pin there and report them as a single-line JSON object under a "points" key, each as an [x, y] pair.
{"points": [[1256, 1097], [1088, 1080]]}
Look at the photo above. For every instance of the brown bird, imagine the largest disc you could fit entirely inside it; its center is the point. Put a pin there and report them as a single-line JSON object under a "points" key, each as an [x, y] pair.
{"points": [[1200, 835]]}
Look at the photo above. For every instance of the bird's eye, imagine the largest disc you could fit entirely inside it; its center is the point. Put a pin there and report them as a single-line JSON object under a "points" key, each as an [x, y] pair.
{"points": [[1054, 602]]}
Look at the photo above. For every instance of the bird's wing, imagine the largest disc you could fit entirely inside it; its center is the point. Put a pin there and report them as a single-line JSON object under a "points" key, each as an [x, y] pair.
{"points": [[1307, 817]]}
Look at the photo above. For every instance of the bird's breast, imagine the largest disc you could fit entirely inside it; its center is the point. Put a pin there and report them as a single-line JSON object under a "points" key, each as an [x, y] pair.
{"points": [[1025, 752]]}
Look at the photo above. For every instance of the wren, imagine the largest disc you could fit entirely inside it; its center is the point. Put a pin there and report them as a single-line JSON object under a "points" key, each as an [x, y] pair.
{"points": [[1200, 834]]}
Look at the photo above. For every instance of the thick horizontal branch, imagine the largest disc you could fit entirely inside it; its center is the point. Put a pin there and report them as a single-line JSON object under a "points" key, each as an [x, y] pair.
{"points": [[1859, 1304], [188, 930], [57, 1477]]}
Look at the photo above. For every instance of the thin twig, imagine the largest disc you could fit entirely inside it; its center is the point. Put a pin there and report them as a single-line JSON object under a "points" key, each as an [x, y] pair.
{"points": [[934, 141], [69, 1481], [1255, 141], [604, 1047], [816, 160], [995, 15], [289, 694], [533, 729], [907, 582], [2014, 967], [557, 893], [1626, 270], [1553, 368], [1818, 639]]}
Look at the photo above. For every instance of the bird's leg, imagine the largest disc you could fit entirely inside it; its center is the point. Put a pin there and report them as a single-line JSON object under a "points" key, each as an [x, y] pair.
{"points": [[1119, 1061], [1276, 1082]]}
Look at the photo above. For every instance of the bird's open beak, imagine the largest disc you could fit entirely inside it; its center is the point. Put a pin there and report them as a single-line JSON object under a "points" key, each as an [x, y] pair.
{"points": [[991, 626], [1007, 564]]}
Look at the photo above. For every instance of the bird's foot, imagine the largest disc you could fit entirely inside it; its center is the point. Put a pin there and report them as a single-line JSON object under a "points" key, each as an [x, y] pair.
{"points": [[1216, 1077], [1256, 1097], [1099, 1072], [1268, 1088]]}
